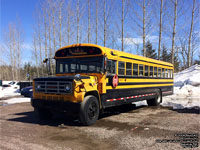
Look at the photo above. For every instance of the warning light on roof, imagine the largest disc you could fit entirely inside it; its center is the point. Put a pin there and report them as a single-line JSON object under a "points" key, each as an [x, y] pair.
{"points": [[62, 53], [91, 51]]}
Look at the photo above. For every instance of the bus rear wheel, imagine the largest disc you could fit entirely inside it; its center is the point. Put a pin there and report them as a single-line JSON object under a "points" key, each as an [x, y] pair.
{"points": [[156, 100], [89, 110]]}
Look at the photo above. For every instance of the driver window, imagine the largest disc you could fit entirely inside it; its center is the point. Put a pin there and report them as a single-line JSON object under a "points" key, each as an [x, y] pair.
{"points": [[111, 66]]}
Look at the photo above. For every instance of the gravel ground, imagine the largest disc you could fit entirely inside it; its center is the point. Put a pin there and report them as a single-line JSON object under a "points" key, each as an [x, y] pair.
{"points": [[127, 128]]}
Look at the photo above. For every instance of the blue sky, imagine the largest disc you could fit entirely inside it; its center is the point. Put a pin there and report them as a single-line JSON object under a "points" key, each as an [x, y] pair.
{"points": [[24, 10], [11, 9]]}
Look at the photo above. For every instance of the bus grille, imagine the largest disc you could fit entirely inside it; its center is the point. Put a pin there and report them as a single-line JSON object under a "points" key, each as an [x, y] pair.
{"points": [[53, 87]]}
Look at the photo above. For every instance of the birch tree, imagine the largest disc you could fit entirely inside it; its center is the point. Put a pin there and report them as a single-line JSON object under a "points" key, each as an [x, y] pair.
{"points": [[190, 36], [174, 30], [160, 29]]}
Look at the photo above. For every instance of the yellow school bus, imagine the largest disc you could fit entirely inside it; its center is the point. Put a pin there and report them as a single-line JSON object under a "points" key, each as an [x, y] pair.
{"points": [[90, 78]]}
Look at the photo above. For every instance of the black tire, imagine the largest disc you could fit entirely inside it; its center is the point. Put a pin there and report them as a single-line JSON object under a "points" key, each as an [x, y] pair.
{"points": [[89, 110], [155, 101], [42, 114]]}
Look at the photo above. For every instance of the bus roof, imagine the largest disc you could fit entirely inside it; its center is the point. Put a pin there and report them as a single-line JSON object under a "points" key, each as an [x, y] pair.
{"points": [[108, 51]]}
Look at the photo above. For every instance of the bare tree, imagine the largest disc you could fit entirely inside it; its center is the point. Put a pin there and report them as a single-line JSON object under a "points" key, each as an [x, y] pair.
{"points": [[78, 19], [144, 29], [190, 36], [160, 29], [122, 25], [88, 21], [104, 23], [60, 21], [96, 21], [174, 31]]}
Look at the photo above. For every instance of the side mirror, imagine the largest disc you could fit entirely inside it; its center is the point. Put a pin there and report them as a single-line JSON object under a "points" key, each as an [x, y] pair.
{"points": [[105, 64], [45, 60]]}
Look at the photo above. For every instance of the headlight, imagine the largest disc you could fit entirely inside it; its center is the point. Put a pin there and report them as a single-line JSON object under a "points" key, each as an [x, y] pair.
{"points": [[67, 87], [31, 90]]}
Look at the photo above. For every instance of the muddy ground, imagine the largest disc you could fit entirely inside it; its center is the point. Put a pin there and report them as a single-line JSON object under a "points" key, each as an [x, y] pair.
{"points": [[124, 128]]}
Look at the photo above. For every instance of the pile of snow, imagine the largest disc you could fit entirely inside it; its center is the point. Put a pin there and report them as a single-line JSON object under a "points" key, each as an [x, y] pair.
{"points": [[16, 100], [186, 89], [189, 76]]}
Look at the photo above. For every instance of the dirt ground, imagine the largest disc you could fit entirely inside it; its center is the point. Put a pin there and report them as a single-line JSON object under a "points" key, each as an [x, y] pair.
{"points": [[127, 128]]}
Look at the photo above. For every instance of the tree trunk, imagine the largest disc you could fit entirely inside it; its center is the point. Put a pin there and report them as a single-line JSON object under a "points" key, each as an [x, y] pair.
{"points": [[174, 31], [190, 36], [160, 29], [96, 21], [88, 21], [122, 25], [77, 10], [144, 32], [104, 18]]}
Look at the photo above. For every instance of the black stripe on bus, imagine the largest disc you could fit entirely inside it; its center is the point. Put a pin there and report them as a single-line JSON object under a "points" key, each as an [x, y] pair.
{"points": [[141, 83], [144, 61], [143, 88], [137, 77], [141, 77]]}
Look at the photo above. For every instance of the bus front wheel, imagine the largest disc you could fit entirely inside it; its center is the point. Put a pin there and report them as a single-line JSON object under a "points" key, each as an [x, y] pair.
{"points": [[156, 100], [89, 110]]}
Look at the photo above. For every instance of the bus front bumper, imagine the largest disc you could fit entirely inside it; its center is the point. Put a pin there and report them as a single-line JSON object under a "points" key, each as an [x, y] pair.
{"points": [[55, 105]]}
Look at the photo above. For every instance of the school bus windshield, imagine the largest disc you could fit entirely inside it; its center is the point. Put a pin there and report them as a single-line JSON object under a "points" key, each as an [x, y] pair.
{"points": [[79, 65]]}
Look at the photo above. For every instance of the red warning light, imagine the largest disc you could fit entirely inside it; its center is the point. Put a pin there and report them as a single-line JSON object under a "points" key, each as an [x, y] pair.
{"points": [[91, 51], [62, 53]]}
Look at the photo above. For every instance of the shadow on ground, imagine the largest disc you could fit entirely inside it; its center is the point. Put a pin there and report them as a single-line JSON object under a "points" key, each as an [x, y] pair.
{"points": [[194, 110], [61, 119]]}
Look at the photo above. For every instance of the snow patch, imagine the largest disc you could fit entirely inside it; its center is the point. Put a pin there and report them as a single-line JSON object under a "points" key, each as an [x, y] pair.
{"points": [[186, 89], [16, 100]]}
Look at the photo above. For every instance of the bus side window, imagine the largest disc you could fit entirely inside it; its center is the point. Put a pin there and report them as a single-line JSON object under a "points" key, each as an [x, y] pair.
{"points": [[121, 68], [171, 73], [155, 71], [159, 72], [163, 73], [166, 73], [135, 70], [146, 71], [141, 70], [66, 68], [128, 68], [151, 71], [61, 68]]}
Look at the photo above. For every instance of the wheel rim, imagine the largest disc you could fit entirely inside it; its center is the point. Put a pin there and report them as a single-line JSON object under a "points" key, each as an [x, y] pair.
{"points": [[92, 111], [159, 98]]}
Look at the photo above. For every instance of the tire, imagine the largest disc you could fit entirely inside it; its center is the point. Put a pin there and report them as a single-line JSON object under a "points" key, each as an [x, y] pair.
{"points": [[155, 101], [89, 110], [43, 114]]}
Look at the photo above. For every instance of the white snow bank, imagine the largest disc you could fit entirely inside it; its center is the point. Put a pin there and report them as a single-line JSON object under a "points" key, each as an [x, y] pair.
{"points": [[16, 100], [186, 89], [189, 76]]}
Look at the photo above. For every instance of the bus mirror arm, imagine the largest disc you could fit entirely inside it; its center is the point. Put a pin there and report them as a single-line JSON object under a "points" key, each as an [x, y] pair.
{"points": [[48, 64], [105, 64]]}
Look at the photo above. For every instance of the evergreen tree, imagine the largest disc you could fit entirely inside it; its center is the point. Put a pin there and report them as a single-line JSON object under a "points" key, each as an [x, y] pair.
{"points": [[165, 56], [150, 52]]}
